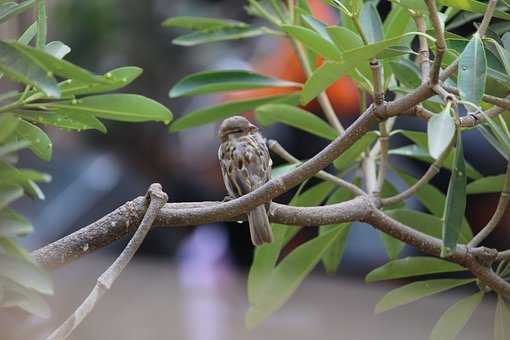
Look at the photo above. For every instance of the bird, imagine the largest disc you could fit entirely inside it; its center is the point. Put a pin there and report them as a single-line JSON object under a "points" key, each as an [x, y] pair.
{"points": [[246, 165]]}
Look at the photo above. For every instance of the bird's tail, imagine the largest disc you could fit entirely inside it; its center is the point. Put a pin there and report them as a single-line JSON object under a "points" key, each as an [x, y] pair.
{"points": [[260, 229]]}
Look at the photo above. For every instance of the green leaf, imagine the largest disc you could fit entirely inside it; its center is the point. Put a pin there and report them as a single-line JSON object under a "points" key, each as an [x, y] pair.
{"points": [[472, 72], [349, 156], [501, 321], [9, 193], [57, 49], [223, 34], [266, 255], [314, 41], [333, 255], [10, 9], [412, 266], [416, 5], [22, 68], [426, 223], [371, 23], [440, 132], [26, 299], [455, 201], [344, 38], [228, 109], [12, 248], [54, 65], [406, 72], [33, 191], [219, 81], [28, 35], [297, 118], [8, 124], [415, 291], [13, 224], [419, 152], [502, 54], [392, 245], [434, 200], [486, 185], [397, 22], [75, 121], [288, 275], [122, 107], [112, 80], [201, 23], [282, 169], [324, 76], [316, 25], [455, 318], [473, 6], [40, 143], [26, 274]]}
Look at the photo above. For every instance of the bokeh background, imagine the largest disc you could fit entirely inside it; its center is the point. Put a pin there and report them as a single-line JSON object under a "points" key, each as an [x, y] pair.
{"points": [[188, 283]]}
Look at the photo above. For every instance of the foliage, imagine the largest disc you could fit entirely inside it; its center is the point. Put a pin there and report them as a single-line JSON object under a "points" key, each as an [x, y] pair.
{"points": [[362, 38], [54, 93]]}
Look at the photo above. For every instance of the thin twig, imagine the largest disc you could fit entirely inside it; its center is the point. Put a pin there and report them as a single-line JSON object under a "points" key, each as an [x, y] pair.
{"points": [[369, 168], [384, 140], [440, 41], [498, 214], [501, 102], [276, 148], [423, 58], [503, 255], [487, 17], [322, 98], [157, 199]]}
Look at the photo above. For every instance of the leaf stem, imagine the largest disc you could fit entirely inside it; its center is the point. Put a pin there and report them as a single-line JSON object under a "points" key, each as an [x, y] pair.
{"points": [[42, 28]]}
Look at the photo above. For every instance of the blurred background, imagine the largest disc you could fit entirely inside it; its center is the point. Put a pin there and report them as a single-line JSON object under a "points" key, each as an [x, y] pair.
{"points": [[189, 283]]}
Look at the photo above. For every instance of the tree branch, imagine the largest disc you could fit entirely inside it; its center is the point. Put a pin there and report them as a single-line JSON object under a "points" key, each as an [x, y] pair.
{"points": [[156, 198], [440, 41]]}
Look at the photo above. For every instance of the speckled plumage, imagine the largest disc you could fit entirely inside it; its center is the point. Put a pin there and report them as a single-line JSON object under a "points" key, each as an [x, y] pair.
{"points": [[246, 165]]}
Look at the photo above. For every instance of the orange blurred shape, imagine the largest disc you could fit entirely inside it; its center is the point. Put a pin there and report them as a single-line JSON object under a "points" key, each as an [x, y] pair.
{"points": [[282, 62]]}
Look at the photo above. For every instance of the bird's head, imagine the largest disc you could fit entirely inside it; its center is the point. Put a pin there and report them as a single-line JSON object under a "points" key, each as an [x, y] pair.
{"points": [[235, 126]]}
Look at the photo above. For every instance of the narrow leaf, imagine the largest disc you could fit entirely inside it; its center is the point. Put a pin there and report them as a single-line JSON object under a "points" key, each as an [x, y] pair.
{"points": [[416, 291], [313, 41], [472, 72], [297, 118], [455, 201], [473, 6], [223, 34], [228, 109], [74, 121], [13, 224], [455, 318], [10, 9], [9, 193], [25, 274], [40, 143], [8, 124], [57, 49], [440, 131], [219, 81], [412, 266], [486, 185], [349, 156], [27, 299], [201, 23], [371, 23]]}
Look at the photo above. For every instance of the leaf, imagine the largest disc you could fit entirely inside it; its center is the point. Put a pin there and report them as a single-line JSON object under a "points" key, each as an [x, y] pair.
{"points": [[473, 6], [20, 67], [314, 41], [266, 255], [75, 121], [501, 320], [455, 201], [415, 291], [440, 132], [25, 274], [349, 156], [397, 22], [13, 248], [502, 54], [324, 76], [57, 49], [486, 185], [426, 223], [112, 80], [54, 65], [282, 169], [28, 35], [228, 109], [13, 224], [455, 318], [8, 124], [288, 275], [406, 72], [120, 106], [392, 245], [472, 72], [201, 23], [333, 255], [297, 118], [219, 81], [371, 23], [316, 25], [416, 5], [26, 299], [223, 34], [344, 38], [40, 143], [9, 193], [412, 266], [10, 9], [434, 200]]}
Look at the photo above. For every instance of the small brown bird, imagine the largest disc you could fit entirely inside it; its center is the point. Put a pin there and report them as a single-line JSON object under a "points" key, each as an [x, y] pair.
{"points": [[246, 165]]}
